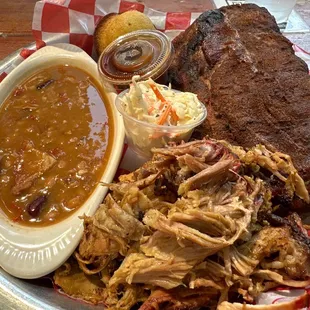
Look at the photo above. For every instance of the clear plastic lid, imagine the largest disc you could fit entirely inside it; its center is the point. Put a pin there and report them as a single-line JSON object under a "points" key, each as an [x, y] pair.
{"points": [[147, 53]]}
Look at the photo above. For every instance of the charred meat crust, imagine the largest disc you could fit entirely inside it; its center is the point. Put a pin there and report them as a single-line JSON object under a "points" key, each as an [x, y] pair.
{"points": [[256, 90], [294, 222]]}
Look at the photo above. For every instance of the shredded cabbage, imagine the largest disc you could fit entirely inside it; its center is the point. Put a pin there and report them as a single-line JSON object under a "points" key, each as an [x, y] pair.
{"points": [[158, 104]]}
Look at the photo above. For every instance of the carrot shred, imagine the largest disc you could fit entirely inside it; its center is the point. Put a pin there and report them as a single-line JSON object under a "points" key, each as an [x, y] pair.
{"points": [[150, 110], [174, 115], [163, 104], [150, 102], [164, 116], [157, 93], [169, 109]]}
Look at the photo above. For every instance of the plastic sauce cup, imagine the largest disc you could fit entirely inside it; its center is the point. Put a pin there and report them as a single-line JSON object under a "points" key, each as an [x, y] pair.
{"points": [[147, 53], [143, 136]]}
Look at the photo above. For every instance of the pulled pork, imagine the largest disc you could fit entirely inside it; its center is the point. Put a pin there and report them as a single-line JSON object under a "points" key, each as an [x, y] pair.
{"points": [[192, 228]]}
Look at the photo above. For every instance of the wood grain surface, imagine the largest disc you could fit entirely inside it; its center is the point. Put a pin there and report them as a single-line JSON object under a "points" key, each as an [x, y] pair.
{"points": [[15, 25], [16, 19]]}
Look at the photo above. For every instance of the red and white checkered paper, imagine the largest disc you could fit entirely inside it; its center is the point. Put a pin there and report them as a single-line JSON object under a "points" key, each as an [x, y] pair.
{"points": [[74, 21]]}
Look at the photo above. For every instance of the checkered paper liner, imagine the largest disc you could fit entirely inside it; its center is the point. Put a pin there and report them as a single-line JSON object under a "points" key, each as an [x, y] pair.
{"points": [[74, 21]]}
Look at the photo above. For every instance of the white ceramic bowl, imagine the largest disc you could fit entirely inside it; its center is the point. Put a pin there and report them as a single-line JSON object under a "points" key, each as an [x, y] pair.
{"points": [[31, 252]]}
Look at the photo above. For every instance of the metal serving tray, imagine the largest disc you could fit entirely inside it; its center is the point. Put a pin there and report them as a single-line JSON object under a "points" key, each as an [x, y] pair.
{"points": [[37, 294], [17, 294]]}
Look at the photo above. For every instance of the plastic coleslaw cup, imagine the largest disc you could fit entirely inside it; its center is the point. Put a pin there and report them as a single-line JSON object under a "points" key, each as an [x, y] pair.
{"points": [[143, 136]]}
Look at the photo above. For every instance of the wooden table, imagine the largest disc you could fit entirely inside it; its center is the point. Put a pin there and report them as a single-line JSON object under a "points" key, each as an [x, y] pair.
{"points": [[16, 19], [15, 25]]}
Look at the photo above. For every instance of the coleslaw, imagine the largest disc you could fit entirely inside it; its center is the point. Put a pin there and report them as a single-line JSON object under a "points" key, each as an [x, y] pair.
{"points": [[158, 104], [155, 115]]}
